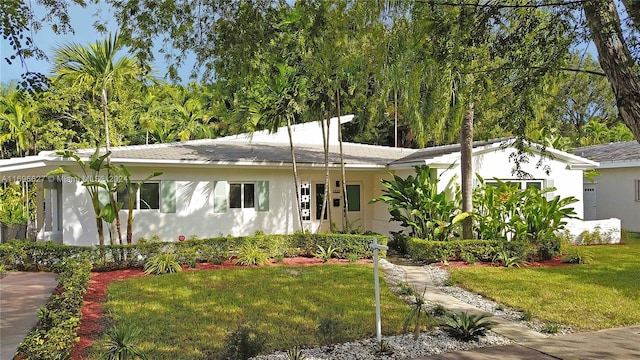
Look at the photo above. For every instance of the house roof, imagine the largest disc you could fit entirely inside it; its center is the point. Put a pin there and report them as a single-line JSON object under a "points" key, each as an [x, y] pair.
{"points": [[215, 151], [611, 152], [434, 152]]}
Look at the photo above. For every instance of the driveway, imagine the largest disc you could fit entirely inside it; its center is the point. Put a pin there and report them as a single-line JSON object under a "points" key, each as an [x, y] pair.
{"points": [[21, 295]]}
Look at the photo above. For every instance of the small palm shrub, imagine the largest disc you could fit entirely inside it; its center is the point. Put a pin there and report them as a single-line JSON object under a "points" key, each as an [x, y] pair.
{"points": [[295, 354], [384, 348], [467, 327], [243, 343], [577, 256], [415, 315], [163, 263], [120, 344], [325, 254], [504, 257], [251, 254]]}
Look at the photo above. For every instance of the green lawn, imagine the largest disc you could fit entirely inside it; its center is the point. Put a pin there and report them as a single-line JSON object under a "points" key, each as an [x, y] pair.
{"points": [[603, 294], [187, 315]]}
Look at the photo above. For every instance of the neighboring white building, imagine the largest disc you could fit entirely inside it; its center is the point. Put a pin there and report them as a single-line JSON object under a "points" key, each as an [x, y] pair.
{"points": [[238, 185], [615, 193]]}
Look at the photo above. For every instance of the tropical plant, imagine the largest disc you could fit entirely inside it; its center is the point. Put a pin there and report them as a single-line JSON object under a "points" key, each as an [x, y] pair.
{"points": [[242, 343], [325, 254], [577, 256], [418, 206], [132, 188], [163, 263], [415, 315], [552, 328], [251, 254], [384, 348], [504, 257], [13, 209], [120, 344], [98, 67], [89, 179], [295, 354], [467, 327]]}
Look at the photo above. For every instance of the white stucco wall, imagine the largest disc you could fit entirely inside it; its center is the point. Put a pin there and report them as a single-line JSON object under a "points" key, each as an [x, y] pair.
{"points": [[609, 229], [615, 196], [195, 205]]}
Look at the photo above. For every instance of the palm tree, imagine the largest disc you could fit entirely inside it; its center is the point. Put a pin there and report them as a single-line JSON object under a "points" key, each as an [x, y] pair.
{"points": [[98, 68]]}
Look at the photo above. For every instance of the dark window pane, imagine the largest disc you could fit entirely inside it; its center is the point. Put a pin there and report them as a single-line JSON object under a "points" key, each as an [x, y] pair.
{"points": [[319, 201], [150, 196], [235, 196], [122, 197], [534, 184], [249, 195], [353, 197]]}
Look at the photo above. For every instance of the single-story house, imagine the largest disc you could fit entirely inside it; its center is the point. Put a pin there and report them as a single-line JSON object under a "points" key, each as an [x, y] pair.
{"points": [[615, 192], [241, 184]]}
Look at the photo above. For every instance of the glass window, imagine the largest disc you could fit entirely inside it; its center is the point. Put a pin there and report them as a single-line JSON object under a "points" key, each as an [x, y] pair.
{"points": [[123, 197], [353, 197], [533, 184], [150, 196], [249, 195], [319, 201], [242, 195], [235, 196]]}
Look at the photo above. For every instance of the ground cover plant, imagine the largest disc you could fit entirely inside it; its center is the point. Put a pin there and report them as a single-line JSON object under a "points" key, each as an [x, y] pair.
{"points": [[188, 315], [602, 294]]}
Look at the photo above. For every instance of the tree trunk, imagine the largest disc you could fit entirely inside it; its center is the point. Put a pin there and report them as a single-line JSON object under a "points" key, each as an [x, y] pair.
{"points": [[295, 173], [130, 226], [466, 168], [395, 117], [325, 196], [345, 220], [616, 60], [107, 142]]}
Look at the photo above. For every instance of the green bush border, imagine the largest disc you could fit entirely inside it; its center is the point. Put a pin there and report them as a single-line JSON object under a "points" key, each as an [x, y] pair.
{"points": [[56, 333], [456, 250], [47, 256]]}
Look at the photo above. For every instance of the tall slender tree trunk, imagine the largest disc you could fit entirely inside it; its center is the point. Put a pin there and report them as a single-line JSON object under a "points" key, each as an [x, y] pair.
{"points": [[326, 207], [466, 167], [345, 205], [616, 60], [296, 181], [107, 143], [395, 117]]}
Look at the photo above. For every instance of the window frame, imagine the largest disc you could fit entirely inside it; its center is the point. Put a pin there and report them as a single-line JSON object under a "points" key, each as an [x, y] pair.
{"points": [[137, 203], [243, 200], [636, 187]]}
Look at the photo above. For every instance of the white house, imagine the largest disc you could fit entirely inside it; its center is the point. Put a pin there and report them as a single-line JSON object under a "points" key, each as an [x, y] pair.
{"points": [[241, 184], [615, 193]]}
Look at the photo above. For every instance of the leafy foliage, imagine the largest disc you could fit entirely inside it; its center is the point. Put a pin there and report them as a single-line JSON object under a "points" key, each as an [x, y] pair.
{"points": [[325, 254], [417, 205], [415, 315], [467, 327], [163, 263], [120, 344], [244, 342], [251, 254], [575, 255]]}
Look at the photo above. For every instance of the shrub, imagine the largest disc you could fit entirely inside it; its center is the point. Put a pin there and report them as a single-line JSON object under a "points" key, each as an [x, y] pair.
{"points": [[295, 354], [415, 316], [120, 344], [162, 264], [467, 327], [577, 256], [551, 328], [243, 343], [325, 254], [55, 334], [251, 254], [504, 257], [383, 348], [526, 316], [405, 289], [438, 310]]}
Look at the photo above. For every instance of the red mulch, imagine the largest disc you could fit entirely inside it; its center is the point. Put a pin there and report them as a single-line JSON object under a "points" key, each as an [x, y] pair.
{"points": [[91, 323], [556, 261]]}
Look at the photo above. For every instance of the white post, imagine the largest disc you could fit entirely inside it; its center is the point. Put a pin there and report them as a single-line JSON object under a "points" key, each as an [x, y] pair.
{"points": [[374, 245]]}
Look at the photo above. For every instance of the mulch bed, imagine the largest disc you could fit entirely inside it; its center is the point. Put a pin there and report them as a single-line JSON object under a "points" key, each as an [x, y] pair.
{"points": [[92, 323]]}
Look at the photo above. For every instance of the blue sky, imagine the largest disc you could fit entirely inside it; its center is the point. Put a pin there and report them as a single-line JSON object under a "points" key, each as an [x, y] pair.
{"points": [[82, 20]]}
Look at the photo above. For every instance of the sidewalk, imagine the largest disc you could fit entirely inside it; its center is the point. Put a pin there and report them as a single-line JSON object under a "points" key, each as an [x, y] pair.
{"points": [[620, 343], [21, 295]]}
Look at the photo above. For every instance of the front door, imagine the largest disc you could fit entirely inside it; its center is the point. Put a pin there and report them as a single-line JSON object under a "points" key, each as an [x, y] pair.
{"points": [[590, 204]]}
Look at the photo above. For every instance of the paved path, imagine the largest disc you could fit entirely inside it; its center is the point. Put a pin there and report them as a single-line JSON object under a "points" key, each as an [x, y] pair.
{"points": [[21, 295], [620, 343]]}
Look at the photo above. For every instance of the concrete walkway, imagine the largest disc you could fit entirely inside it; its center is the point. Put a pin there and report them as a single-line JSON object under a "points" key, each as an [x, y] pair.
{"points": [[21, 295], [620, 343]]}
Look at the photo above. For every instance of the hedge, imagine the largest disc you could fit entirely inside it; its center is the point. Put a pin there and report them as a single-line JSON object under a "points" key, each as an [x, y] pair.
{"points": [[56, 332], [457, 250], [43, 256]]}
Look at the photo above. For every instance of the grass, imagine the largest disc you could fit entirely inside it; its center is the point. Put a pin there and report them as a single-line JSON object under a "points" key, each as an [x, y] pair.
{"points": [[600, 295], [187, 315]]}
